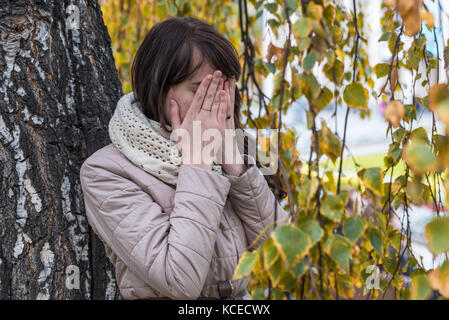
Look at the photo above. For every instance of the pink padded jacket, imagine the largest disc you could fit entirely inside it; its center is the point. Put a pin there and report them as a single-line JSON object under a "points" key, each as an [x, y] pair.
{"points": [[177, 243]]}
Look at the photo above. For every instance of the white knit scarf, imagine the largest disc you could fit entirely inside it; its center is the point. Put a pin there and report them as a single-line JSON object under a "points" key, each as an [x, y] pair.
{"points": [[143, 141]]}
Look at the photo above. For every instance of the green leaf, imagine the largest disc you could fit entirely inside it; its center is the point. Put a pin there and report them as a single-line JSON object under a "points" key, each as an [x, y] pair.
{"points": [[385, 37], [356, 96], [375, 238], [302, 27], [246, 264], [312, 228], [418, 192], [348, 75], [390, 265], [419, 134], [271, 67], [307, 191], [328, 142], [258, 294], [393, 155], [309, 85], [277, 294], [353, 228], [329, 13], [372, 179], [398, 135], [395, 239], [339, 249], [292, 243], [270, 253], [304, 43], [275, 271], [392, 42], [288, 281], [381, 69], [437, 233], [413, 58], [271, 7], [309, 60], [410, 113], [324, 99], [292, 5], [419, 156], [335, 70], [299, 269], [332, 207], [381, 221], [420, 288], [172, 8]]}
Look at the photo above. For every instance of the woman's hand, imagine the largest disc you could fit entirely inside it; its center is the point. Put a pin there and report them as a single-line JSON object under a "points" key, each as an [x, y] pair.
{"points": [[201, 116], [232, 161]]}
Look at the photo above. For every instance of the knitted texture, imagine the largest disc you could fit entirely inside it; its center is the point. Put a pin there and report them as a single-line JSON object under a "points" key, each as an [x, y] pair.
{"points": [[143, 141]]}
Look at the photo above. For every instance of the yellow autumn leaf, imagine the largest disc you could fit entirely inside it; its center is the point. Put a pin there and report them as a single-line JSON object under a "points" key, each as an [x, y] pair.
{"points": [[428, 18], [410, 14], [394, 79], [390, 3], [439, 279], [274, 51], [394, 113], [439, 101]]}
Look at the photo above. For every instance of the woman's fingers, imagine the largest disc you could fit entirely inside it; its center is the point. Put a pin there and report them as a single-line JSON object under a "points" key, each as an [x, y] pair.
{"points": [[211, 91], [230, 109], [174, 115], [220, 87], [199, 96], [216, 103], [223, 107]]}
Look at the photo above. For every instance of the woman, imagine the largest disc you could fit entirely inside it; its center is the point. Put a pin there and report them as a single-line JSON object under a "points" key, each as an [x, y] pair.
{"points": [[174, 227]]}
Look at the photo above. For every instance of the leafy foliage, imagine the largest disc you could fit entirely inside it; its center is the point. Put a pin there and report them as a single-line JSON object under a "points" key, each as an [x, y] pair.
{"points": [[340, 225]]}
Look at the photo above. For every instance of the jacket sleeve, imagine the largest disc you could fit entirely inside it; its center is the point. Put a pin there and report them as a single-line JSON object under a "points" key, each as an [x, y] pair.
{"points": [[254, 202], [170, 252]]}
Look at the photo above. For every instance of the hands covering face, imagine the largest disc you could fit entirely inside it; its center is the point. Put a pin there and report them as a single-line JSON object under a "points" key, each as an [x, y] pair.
{"points": [[213, 108]]}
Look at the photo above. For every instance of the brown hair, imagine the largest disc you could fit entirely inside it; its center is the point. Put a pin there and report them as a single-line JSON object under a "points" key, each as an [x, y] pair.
{"points": [[164, 59]]}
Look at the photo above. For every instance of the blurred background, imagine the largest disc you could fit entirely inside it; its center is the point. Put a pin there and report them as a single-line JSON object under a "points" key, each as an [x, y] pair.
{"points": [[367, 140]]}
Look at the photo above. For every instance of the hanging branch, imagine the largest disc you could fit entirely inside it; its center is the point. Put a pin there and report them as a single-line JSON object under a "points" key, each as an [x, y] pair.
{"points": [[248, 80], [358, 37], [248, 72], [281, 101], [396, 47], [318, 200]]}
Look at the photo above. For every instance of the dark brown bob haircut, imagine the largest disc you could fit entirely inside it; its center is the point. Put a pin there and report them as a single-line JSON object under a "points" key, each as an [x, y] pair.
{"points": [[164, 59]]}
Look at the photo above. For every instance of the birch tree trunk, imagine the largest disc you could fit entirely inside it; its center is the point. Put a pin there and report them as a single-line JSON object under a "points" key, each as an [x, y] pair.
{"points": [[58, 90]]}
